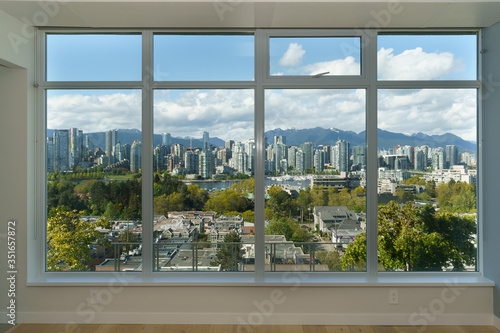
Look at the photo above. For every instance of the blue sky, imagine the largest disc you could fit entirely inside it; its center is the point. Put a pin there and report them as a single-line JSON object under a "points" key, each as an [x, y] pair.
{"points": [[228, 114]]}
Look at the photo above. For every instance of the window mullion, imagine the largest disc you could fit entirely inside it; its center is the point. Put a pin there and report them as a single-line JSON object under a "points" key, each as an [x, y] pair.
{"points": [[147, 152], [261, 54], [371, 150]]}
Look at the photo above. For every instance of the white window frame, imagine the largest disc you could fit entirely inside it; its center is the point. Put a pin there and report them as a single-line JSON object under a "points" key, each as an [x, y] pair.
{"points": [[262, 81]]}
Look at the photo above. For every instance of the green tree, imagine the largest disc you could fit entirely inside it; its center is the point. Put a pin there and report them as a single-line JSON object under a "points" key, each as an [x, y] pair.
{"points": [[248, 216], [229, 253], [319, 196], [227, 201], [69, 239], [330, 258], [414, 239], [281, 203]]}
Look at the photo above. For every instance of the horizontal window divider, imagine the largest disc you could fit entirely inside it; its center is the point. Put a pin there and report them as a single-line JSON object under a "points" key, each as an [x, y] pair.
{"points": [[314, 33], [311, 81], [452, 84], [91, 85], [323, 85], [282, 279], [204, 85]]}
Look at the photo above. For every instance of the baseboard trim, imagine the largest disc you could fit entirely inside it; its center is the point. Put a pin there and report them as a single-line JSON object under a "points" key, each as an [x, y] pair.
{"points": [[254, 319], [496, 322]]}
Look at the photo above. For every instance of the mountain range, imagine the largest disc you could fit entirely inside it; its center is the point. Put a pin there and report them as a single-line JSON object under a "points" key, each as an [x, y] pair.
{"points": [[386, 139], [317, 135]]}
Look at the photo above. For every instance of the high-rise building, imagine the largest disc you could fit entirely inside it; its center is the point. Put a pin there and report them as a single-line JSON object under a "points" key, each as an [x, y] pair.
{"points": [[159, 154], [420, 162], [111, 140], [280, 139], [206, 141], [229, 144], [206, 164], [178, 150], [191, 161], [166, 139], [135, 156], [250, 152], [319, 160], [240, 158], [438, 159], [61, 150], [224, 154], [344, 155], [451, 156], [50, 154], [308, 151], [292, 151], [118, 152], [359, 155], [299, 161], [89, 145], [75, 146]]}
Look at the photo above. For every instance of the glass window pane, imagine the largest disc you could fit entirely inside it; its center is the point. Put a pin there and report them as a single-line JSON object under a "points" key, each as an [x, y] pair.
{"points": [[95, 57], [315, 180], [203, 185], [315, 55], [427, 57], [203, 57], [427, 179], [93, 180]]}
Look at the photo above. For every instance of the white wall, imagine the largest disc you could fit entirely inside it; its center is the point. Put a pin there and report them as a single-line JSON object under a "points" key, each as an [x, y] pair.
{"points": [[305, 305], [491, 178], [14, 124]]}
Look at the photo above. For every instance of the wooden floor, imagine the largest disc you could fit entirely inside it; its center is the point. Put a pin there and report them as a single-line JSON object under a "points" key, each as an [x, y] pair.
{"points": [[50, 328]]}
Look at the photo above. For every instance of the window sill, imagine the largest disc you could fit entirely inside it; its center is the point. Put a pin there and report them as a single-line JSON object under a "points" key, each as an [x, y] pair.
{"points": [[286, 279]]}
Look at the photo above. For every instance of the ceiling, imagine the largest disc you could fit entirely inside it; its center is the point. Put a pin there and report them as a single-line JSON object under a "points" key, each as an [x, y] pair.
{"points": [[255, 13]]}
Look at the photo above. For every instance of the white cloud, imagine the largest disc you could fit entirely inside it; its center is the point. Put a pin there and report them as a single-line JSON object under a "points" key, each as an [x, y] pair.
{"points": [[347, 66], [430, 111], [309, 108], [416, 64], [293, 55], [94, 113], [226, 114], [229, 114]]}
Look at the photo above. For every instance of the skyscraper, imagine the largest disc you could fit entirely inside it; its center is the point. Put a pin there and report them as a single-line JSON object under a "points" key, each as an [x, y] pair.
{"points": [[61, 150], [205, 164], [166, 139], [319, 160], [451, 156], [307, 150], [75, 146], [135, 156], [206, 141], [280, 139], [229, 144], [359, 155], [191, 161], [50, 154], [111, 140], [343, 149], [438, 160], [89, 145]]}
